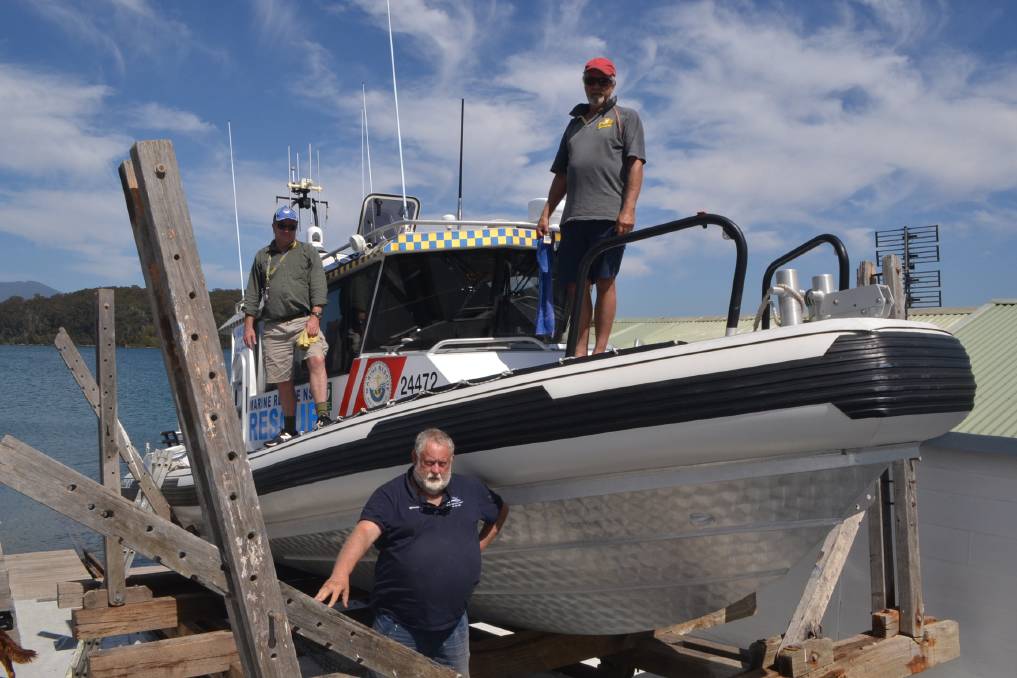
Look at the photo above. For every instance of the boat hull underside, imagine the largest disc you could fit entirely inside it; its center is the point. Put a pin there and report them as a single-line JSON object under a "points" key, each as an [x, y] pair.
{"points": [[632, 561]]}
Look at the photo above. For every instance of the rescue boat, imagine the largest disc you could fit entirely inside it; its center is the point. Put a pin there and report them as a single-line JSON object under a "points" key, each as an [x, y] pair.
{"points": [[648, 485]]}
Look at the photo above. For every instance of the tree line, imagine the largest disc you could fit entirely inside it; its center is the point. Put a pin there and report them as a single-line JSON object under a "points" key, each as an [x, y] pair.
{"points": [[36, 320]]}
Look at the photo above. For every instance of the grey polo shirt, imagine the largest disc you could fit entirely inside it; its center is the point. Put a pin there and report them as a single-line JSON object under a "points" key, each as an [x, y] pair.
{"points": [[592, 156], [296, 283]]}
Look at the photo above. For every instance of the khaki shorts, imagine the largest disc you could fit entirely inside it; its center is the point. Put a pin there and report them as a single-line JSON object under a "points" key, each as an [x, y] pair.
{"points": [[280, 351]]}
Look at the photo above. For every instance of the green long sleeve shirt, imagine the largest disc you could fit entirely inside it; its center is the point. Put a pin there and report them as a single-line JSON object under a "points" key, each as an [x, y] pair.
{"points": [[290, 282]]}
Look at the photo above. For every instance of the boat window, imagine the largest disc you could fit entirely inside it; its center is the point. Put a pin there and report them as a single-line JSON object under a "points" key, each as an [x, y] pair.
{"points": [[424, 298], [344, 318]]}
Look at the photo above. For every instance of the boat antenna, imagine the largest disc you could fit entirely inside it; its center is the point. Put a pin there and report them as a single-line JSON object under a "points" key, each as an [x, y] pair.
{"points": [[395, 94], [462, 117], [367, 139], [289, 165], [236, 209]]}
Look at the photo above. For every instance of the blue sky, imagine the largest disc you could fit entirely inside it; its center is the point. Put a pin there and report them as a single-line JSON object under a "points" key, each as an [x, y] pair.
{"points": [[792, 119]]}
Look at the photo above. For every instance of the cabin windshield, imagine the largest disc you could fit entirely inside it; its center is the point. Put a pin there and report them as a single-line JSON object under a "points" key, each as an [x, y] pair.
{"points": [[426, 298]]}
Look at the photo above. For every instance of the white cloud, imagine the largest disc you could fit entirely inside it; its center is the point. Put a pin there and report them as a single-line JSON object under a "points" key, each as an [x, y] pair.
{"points": [[48, 125], [767, 122], [153, 116]]}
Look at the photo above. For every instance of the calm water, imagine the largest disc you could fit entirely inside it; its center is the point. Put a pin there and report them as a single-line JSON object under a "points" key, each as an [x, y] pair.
{"points": [[44, 407]]}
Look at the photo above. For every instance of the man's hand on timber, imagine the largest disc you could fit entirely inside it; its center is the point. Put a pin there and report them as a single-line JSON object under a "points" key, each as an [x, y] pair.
{"points": [[626, 221], [250, 338], [334, 588]]}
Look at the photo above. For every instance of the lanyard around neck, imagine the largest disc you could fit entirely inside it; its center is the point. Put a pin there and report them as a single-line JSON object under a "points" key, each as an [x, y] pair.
{"points": [[270, 270]]}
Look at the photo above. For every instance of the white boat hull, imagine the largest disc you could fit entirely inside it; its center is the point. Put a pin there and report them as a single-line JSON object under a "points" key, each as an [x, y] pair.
{"points": [[733, 460]]}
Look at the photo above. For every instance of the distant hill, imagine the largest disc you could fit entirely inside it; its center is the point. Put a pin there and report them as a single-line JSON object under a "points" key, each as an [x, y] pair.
{"points": [[26, 289], [36, 320]]}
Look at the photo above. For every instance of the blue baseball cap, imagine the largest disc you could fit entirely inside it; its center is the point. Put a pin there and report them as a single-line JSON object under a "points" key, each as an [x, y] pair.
{"points": [[285, 213]]}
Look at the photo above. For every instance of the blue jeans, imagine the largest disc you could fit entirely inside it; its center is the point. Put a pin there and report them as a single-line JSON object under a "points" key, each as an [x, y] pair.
{"points": [[449, 647]]}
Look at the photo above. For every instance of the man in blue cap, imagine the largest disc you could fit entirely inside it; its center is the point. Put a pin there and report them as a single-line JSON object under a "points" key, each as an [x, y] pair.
{"points": [[287, 291]]}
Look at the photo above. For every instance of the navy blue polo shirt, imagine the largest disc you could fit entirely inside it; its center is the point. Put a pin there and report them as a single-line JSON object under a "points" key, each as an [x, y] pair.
{"points": [[429, 556]]}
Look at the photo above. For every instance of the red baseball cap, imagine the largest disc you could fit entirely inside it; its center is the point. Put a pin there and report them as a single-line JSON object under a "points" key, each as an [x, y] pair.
{"points": [[601, 64]]}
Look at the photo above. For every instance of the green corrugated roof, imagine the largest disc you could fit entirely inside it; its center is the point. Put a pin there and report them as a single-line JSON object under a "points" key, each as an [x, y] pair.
{"points": [[990, 337], [988, 333]]}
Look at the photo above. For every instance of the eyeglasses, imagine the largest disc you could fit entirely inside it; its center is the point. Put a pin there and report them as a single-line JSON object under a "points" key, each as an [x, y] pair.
{"points": [[432, 510], [286, 225], [591, 80]]}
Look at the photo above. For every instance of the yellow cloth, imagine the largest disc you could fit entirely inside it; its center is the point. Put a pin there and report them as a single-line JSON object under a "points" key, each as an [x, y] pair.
{"points": [[304, 341]]}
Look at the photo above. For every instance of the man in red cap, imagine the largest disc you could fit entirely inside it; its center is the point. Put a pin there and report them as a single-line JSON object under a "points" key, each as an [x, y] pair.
{"points": [[599, 167]]}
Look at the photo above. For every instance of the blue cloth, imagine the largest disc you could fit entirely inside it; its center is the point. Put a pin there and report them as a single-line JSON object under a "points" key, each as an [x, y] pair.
{"points": [[545, 303], [428, 556], [450, 647]]}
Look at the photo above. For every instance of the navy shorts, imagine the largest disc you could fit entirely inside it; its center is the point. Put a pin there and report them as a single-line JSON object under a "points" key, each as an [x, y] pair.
{"points": [[577, 238]]}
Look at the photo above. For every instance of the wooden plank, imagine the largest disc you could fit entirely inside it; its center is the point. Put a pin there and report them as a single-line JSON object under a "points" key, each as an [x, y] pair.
{"points": [[746, 607], [99, 598], [812, 655], [893, 278], [806, 620], [199, 380], [665, 659], [886, 623], [35, 575], [881, 559], [80, 498], [532, 651], [909, 570], [196, 655], [866, 273], [103, 622], [72, 358], [109, 458]]}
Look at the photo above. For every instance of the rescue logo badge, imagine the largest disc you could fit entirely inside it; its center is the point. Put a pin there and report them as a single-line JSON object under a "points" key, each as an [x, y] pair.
{"points": [[377, 384], [605, 123]]}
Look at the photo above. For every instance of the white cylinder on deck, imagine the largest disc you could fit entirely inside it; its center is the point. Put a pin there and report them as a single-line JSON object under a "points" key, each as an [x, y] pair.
{"points": [[790, 309], [823, 283]]}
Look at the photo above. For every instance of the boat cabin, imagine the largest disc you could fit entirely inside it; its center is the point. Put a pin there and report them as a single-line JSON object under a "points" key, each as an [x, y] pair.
{"points": [[413, 305]]}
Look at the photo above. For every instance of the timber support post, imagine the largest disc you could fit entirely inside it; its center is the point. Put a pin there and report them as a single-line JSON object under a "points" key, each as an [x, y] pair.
{"points": [[197, 373], [72, 358], [909, 569], [893, 277], [109, 458]]}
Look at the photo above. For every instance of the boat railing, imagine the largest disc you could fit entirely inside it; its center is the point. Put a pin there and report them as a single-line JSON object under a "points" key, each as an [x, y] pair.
{"points": [[844, 265], [730, 229], [446, 345]]}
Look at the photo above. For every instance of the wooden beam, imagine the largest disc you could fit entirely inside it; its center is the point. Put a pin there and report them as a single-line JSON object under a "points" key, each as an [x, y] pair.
{"points": [[99, 598], [881, 560], [72, 358], [196, 655], [909, 568], [200, 383], [667, 659], [109, 458], [866, 274], [807, 618], [533, 651], [893, 277], [746, 607], [103, 622], [80, 498]]}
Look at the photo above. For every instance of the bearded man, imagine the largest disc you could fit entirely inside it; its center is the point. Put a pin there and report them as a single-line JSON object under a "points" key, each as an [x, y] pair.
{"points": [[429, 527]]}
